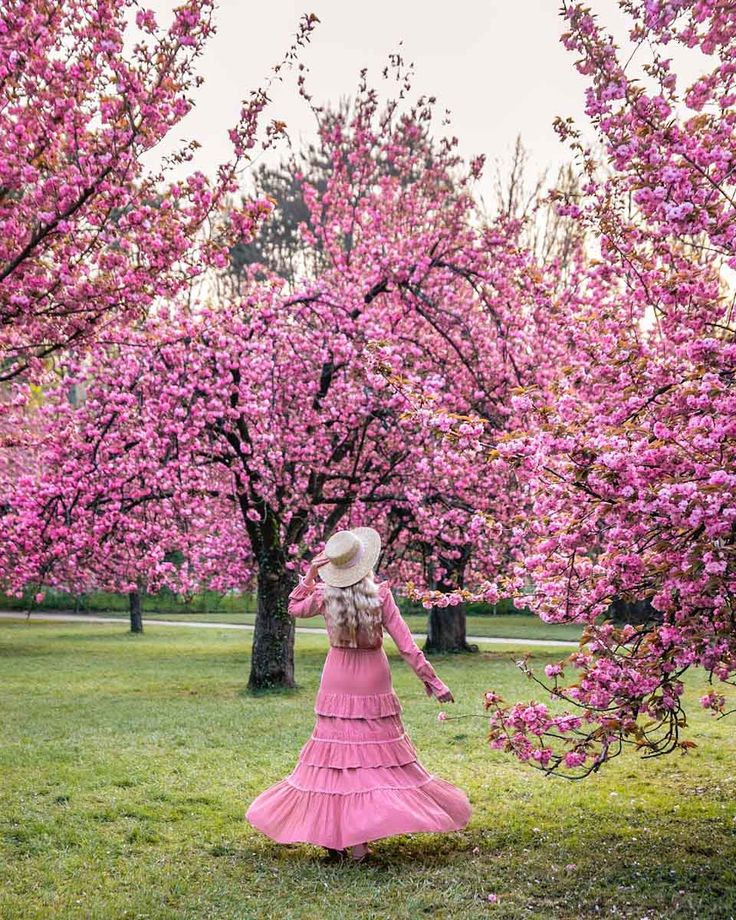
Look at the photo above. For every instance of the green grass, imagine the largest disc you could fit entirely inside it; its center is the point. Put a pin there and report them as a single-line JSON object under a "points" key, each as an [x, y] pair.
{"points": [[514, 626], [128, 761], [511, 626], [234, 608]]}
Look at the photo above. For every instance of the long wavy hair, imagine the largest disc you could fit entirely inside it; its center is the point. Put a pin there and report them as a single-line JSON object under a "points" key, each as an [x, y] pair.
{"points": [[355, 612]]}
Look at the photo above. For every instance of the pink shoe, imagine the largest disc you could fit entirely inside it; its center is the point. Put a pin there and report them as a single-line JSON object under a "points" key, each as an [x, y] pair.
{"points": [[360, 852]]}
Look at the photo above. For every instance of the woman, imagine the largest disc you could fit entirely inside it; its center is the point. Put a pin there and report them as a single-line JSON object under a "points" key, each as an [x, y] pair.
{"points": [[358, 778]]}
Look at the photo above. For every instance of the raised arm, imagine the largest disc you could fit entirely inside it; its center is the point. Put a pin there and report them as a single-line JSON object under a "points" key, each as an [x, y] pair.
{"points": [[411, 653], [307, 599]]}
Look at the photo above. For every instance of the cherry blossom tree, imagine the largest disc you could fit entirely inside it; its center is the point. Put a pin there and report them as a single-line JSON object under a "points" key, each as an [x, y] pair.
{"points": [[454, 521], [629, 451], [434, 532], [88, 235], [268, 414], [457, 520], [91, 239], [95, 513]]}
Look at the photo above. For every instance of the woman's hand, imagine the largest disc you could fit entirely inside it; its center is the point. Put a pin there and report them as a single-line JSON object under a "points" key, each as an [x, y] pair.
{"points": [[314, 566], [446, 697]]}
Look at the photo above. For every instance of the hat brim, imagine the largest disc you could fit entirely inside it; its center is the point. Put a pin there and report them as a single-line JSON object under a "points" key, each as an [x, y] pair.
{"points": [[341, 577]]}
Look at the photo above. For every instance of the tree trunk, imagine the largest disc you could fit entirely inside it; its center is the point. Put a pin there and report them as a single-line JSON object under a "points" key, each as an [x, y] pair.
{"points": [[446, 630], [136, 613], [635, 613], [446, 626], [272, 662]]}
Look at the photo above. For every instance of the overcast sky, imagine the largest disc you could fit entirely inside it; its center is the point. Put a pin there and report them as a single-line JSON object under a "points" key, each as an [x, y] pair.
{"points": [[497, 65]]}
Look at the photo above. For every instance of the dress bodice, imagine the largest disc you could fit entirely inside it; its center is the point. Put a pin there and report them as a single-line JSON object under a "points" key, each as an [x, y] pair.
{"points": [[307, 600]]}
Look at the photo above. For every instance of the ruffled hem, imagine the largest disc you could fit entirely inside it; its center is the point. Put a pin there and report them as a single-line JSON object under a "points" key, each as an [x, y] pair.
{"points": [[323, 752], [363, 731], [290, 815], [349, 780], [352, 706]]}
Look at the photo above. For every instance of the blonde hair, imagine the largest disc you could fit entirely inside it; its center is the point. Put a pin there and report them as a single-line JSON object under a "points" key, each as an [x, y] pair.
{"points": [[355, 612]]}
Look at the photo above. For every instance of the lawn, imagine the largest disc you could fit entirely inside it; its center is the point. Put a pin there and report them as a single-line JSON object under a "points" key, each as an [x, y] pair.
{"points": [[509, 626], [229, 608], [512, 626], [127, 763]]}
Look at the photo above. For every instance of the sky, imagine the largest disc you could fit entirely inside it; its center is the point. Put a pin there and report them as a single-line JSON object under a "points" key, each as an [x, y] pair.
{"points": [[497, 65]]}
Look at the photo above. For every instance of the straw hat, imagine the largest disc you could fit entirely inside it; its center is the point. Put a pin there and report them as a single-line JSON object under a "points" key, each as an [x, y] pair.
{"points": [[352, 554]]}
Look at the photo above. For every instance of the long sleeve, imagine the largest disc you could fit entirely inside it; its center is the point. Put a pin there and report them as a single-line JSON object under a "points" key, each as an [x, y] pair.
{"points": [[306, 600], [411, 653]]}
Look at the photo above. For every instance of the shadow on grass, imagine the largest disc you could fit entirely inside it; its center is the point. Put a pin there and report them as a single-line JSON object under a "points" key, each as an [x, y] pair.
{"points": [[674, 874]]}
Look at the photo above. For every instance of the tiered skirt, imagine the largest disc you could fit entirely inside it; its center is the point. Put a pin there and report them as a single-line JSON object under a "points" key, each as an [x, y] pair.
{"points": [[358, 777]]}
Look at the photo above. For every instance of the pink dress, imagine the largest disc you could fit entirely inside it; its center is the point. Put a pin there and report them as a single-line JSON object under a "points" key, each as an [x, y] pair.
{"points": [[358, 777]]}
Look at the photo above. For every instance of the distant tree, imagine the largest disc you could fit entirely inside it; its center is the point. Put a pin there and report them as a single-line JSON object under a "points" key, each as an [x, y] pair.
{"points": [[546, 231]]}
